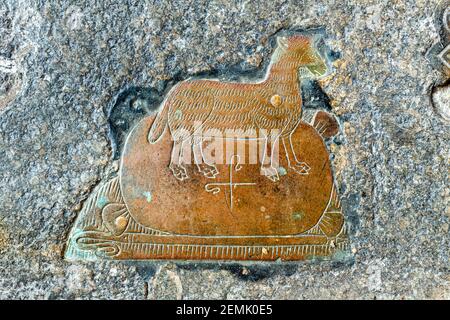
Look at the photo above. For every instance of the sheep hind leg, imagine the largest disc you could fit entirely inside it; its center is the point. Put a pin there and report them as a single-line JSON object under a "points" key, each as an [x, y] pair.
{"points": [[208, 170], [176, 160]]}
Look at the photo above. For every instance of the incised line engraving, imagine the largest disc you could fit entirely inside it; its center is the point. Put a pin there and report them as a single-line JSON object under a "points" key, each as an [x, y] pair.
{"points": [[215, 187]]}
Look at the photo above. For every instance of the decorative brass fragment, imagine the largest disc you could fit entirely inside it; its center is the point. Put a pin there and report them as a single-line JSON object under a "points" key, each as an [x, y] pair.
{"points": [[257, 184]]}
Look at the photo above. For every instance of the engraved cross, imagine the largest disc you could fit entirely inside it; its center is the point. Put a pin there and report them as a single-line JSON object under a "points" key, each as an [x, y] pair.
{"points": [[215, 187]]}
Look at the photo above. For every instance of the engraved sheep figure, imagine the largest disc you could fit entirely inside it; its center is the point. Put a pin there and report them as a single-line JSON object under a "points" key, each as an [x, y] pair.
{"points": [[272, 107]]}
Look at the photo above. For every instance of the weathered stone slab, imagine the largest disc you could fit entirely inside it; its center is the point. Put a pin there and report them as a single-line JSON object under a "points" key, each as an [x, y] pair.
{"points": [[76, 78]]}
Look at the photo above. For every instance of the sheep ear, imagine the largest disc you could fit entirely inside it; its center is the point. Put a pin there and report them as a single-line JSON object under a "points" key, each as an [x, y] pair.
{"points": [[282, 42], [316, 39]]}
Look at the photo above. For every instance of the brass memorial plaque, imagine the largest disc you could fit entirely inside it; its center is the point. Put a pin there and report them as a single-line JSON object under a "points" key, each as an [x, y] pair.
{"points": [[224, 171]]}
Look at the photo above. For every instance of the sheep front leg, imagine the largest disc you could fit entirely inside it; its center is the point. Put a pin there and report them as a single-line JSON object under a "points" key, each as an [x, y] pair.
{"points": [[298, 166], [270, 169]]}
